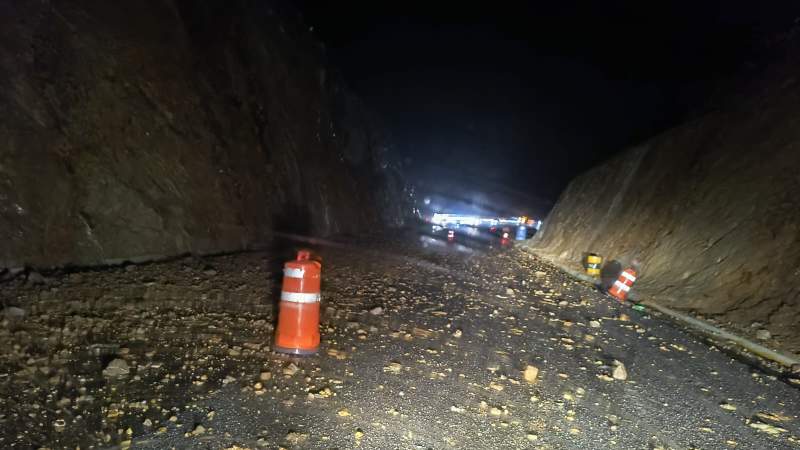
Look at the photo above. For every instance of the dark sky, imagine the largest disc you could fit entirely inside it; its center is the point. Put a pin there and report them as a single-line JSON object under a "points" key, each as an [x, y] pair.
{"points": [[521, 96]]}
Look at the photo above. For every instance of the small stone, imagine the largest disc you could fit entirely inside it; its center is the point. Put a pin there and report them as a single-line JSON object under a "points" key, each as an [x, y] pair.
{"points": [[147, 423], [322, 393], [509, 291], [594, 324], [532, 436], [343, 412], [59, 425], [75, 278], [727, 406], [228, 379], [296, 438], [457, 333], [265, 376], [198, 430], [117, 368], [763, 335], [393, 367], [530, 374], [495, 411], [767, 428], [113, 412], [376, 311], [12, 312], [291, 369], [620, 373], [338, 354], [35, 279], [359, 434]]}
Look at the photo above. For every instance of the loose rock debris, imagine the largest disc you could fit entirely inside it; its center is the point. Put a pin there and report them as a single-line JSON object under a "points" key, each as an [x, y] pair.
{"points": [[530, 374], [117, 368], [619, 373], [485, 351]]}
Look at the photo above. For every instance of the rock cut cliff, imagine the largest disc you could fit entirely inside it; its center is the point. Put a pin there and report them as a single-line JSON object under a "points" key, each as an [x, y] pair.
{"points": [[160, 127]]}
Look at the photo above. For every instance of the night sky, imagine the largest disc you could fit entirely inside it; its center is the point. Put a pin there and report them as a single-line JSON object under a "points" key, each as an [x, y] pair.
{"points": [[513, 99]]}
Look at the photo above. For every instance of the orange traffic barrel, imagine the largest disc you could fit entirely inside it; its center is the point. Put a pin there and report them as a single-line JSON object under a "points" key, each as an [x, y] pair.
{"points": [[623, 284], [298, 312]]}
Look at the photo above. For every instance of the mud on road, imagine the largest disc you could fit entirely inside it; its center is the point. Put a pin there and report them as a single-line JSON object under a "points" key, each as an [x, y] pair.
{"points": [[422, 347]]}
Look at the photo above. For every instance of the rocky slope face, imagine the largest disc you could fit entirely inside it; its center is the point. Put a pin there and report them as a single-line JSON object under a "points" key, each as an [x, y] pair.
{"points": [[161, 127], [710, 208]]}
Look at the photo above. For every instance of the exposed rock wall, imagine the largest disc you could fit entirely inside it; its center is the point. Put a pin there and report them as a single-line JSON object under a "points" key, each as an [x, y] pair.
{"points": [[157, 127], [710, 208]]}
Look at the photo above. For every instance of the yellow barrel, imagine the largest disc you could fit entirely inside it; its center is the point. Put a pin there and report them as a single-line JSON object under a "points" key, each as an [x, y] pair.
{"points": [[593, 262]]}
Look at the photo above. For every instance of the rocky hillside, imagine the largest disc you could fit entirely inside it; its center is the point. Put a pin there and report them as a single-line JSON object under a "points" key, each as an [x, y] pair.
{"points": [[159, 127], [710, 208]]}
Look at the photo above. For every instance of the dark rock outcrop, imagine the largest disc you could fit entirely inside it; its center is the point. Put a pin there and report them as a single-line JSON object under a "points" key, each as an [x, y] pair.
{"points": [[159, 127], [711, 209]]}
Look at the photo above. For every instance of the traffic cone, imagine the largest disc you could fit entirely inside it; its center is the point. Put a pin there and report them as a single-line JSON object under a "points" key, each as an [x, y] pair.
{"points": [[623, 284], [298, 312]]}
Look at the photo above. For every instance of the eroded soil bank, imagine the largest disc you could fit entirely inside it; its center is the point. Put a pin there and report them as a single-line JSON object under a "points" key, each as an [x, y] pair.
{"points": [[709, 209]]}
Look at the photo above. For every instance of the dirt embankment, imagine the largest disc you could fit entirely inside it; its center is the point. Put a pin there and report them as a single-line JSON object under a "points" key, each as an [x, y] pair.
{"points": [[711, 209], [157, 127]]}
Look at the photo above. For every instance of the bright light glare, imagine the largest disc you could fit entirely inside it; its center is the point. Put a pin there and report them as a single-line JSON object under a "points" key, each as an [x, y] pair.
{"points": [[455, 220]]}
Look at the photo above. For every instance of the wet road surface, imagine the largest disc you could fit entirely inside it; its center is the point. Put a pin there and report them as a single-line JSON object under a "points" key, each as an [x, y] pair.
{"points": [[424, 345]]}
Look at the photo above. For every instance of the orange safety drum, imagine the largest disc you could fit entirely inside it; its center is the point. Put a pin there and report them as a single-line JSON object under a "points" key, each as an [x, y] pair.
{"points": [[298, 315]]}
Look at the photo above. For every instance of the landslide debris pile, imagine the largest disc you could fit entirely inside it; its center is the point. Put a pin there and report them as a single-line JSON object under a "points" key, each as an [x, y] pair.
{"points": [[155, 128], [419, 350]]}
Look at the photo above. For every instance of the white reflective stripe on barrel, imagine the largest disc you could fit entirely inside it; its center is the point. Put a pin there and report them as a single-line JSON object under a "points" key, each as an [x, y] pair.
{"points": [[628, 276], [299, 297], [293, 272], [622, 286]]}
